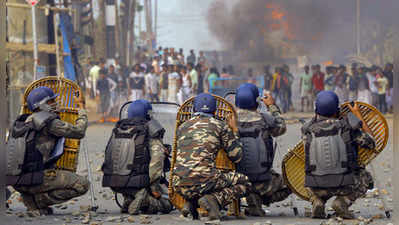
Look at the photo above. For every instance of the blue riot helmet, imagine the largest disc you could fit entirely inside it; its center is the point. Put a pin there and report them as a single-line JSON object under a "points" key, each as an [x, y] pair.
{"points": [[146, 103], [137, 109], [250, 86], [148, 106], [205, 103], [38, 98], [327, 103], [246, 96]]}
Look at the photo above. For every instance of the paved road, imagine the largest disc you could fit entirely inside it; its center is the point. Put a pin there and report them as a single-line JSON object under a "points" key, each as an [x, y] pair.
{"points": [[280, 213]]}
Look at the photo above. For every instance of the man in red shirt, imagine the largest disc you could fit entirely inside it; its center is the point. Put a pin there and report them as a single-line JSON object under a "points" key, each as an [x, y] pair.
{"points": [[317, 80]]}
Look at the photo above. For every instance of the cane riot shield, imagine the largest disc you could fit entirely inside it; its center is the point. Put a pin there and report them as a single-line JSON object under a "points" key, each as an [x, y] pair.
{"points": [[68, 91], [293, 165], [164, 112]]}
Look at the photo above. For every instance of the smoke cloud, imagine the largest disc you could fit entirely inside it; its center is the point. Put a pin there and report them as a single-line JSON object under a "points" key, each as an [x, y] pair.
{"points": [[273, 31]]}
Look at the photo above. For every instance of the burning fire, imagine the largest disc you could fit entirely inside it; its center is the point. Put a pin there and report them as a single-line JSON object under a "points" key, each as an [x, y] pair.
{"points": [[277, 15], [277, 20], [328, 63]]}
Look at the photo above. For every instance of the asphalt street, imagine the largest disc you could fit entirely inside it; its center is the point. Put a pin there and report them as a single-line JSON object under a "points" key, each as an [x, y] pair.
{"points": [[73, 212]]}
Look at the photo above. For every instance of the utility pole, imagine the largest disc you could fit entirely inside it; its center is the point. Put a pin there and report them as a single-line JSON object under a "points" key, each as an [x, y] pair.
{"points": [[148, 21], [92, 31], [130, 34], [140, 22], [34, 34], [156, 22], [358, 27], [3, 108], [147, 31], [117, 31], [110, 28], [101, 34]]}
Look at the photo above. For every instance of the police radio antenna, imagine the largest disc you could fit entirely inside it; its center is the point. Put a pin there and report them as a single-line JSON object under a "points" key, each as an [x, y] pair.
{"points": [[383, 202], [93, 206]]}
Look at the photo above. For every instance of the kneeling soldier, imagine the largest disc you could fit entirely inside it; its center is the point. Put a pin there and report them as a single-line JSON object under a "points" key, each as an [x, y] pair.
{"points": [[198, 142], [256, 134], [134, 162], [42, 134], [331, 160]]}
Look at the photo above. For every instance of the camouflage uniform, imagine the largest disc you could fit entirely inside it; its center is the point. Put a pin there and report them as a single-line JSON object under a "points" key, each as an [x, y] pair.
{"points": [[136, 200], [273, 190], [346, 195], [59, 185], [199, 140]]}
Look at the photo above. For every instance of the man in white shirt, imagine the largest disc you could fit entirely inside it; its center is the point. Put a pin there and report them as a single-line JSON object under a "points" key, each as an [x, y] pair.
{"points": [[136, 83], [164, 83], [152, 85], [174, 84], [94, 73], [373, 84], [194, 77]]}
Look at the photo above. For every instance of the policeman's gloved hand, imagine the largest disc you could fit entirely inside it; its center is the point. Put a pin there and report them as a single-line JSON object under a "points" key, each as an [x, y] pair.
{"points": [[354, 108], [156, 191], [232, 122], [168, 149], [80, 102]]}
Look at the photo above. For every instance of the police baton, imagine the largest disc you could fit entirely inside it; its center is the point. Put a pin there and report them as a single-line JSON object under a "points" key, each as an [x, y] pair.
{"points": [[292, 197]]}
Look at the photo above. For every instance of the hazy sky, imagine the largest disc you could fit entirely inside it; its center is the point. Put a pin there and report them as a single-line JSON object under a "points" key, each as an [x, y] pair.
{"points": [[183, 23]]}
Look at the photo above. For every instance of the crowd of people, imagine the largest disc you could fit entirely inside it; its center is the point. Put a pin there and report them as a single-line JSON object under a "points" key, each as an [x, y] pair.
{"points": [[372, 85], [169, 76], [166, 77]]}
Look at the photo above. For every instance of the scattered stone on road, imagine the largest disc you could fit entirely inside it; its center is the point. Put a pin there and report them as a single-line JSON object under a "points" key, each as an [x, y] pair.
{"points": [[130, 219], [213, 222], [145, 219]]}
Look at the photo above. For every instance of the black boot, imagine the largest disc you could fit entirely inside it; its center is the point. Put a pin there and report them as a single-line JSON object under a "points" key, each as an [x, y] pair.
{"points": [[254, 205], [186, 210], [210, 204]]}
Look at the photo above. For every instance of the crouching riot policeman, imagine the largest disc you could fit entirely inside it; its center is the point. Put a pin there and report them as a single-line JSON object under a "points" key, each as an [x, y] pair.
{"points": [[134, 162], [331, 160], [198, 142], [256, 131], [36, 143]]}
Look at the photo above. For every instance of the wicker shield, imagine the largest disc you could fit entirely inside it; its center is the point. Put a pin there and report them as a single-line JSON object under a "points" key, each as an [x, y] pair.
{"points": [[293, 165], [186, 111], [67, 91]]}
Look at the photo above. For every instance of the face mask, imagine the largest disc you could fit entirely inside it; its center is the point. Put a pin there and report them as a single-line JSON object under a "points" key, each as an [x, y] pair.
{"points": [[49, 107]]}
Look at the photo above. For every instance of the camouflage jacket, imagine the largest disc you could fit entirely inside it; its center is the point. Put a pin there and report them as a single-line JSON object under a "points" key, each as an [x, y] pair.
{"points": [[278, 129], [47, 137], [198, 142]]}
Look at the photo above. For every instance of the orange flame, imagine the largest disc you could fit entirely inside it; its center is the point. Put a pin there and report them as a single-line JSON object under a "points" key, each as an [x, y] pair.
{"points": [[277, 20], [328, 63], [277, 15]]}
